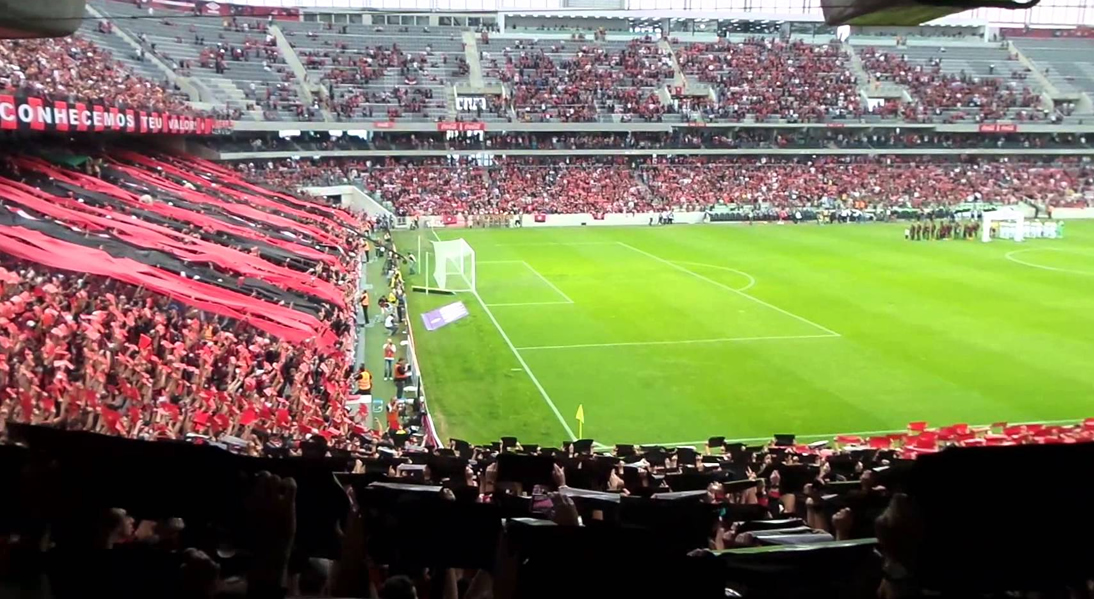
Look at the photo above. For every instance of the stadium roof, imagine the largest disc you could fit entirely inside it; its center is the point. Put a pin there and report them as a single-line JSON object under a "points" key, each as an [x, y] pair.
{"points": [[1048, 12]]}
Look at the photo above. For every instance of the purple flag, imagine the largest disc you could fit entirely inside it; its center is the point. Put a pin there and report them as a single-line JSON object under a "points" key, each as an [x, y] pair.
{"points": [[436, 319]]}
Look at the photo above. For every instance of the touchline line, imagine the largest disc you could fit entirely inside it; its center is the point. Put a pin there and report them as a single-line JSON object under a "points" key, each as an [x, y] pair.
{"points": [[857, 434]]}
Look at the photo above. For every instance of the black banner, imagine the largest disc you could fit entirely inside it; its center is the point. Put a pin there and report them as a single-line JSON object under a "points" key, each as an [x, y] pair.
{"points": [[31, 113]]}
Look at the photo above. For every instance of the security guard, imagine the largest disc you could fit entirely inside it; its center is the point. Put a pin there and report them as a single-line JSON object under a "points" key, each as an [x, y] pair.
{"points": [[364, 382]]}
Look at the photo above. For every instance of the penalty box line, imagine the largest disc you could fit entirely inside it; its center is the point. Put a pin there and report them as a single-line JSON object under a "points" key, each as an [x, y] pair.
{"points": [[830, 332], [677, 342], [566, 298]]}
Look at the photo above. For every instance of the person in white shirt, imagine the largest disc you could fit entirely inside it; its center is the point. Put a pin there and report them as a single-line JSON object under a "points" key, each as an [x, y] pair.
{"points": [[391, 324], [389, 359]]}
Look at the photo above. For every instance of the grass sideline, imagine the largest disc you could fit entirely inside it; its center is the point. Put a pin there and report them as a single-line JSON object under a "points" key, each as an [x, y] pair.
{"points": [[673, 334]]}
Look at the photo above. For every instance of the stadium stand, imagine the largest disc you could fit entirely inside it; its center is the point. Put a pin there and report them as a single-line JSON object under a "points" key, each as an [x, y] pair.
{"points": [[354, 71]]}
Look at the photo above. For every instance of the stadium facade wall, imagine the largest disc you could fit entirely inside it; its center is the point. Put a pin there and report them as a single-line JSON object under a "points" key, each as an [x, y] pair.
{"points": [[1072, 213], [352, 199], [576, 220], [607, 220]]}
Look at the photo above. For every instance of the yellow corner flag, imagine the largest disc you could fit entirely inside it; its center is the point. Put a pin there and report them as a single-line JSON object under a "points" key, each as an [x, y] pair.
{"points": [[580, 420]]}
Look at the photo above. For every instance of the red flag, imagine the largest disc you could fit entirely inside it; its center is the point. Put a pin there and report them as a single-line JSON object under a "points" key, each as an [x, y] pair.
{"points": [[110, 417], [172, 410], [221, 421], [248, 417], [145, 342]]}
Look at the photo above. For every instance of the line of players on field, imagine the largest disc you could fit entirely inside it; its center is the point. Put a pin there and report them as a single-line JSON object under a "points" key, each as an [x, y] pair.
{"points": [[942, 230]]}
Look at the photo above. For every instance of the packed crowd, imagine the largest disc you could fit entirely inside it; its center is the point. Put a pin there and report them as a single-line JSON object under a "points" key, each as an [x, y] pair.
{"points": [[599, 185], [960, 96], [875, 182], [767, 78], [577, 88], [84, 351], [73, 67]]}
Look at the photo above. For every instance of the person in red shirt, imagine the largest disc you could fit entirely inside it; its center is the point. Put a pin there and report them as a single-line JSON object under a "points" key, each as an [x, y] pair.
{"points": [[402, 376], [393, 423]]}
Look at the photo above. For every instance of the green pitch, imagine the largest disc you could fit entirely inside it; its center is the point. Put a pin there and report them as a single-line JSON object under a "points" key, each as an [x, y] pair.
{"points": [[675, 334]]}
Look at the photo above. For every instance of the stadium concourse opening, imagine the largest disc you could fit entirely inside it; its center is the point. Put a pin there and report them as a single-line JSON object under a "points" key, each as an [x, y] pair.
{"points": [[784, 312]]}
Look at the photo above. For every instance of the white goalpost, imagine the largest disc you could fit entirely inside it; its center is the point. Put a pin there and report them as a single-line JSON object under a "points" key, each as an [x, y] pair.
{"points": [[1011, 225], [454, 265]]}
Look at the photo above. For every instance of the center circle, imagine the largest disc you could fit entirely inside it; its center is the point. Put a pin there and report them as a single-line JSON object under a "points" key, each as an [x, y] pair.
{"points": [[1025, 258]]}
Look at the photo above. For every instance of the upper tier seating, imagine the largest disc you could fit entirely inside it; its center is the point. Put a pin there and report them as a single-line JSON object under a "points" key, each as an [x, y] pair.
{"points": [[764, 78], [582, 80], [1067, 63], [233, 58], [957, 84], [74, 67], [381, 73]]}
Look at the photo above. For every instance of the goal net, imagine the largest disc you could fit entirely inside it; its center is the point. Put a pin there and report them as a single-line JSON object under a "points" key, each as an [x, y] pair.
{"points": [[1004, 223], [454, 265]]}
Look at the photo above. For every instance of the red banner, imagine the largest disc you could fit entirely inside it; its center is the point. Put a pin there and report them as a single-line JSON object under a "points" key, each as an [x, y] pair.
{"points": [[39, 114], [460, 126], [999, 128], [541, 218], [384, 124], [228, 9]]}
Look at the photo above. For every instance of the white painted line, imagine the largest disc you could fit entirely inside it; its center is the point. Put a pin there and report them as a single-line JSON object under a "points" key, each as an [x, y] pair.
{"points": [[728, 288], [523, 364], [680, 342], [531, 243], [751, 279], [530, 304], [857, 434], [549, 284], [1011, 256]]}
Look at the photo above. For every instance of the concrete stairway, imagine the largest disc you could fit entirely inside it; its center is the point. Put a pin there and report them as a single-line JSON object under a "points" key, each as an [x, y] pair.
{"points": [[867, 85], [678, 78], [471, 54], [303, 85]]}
